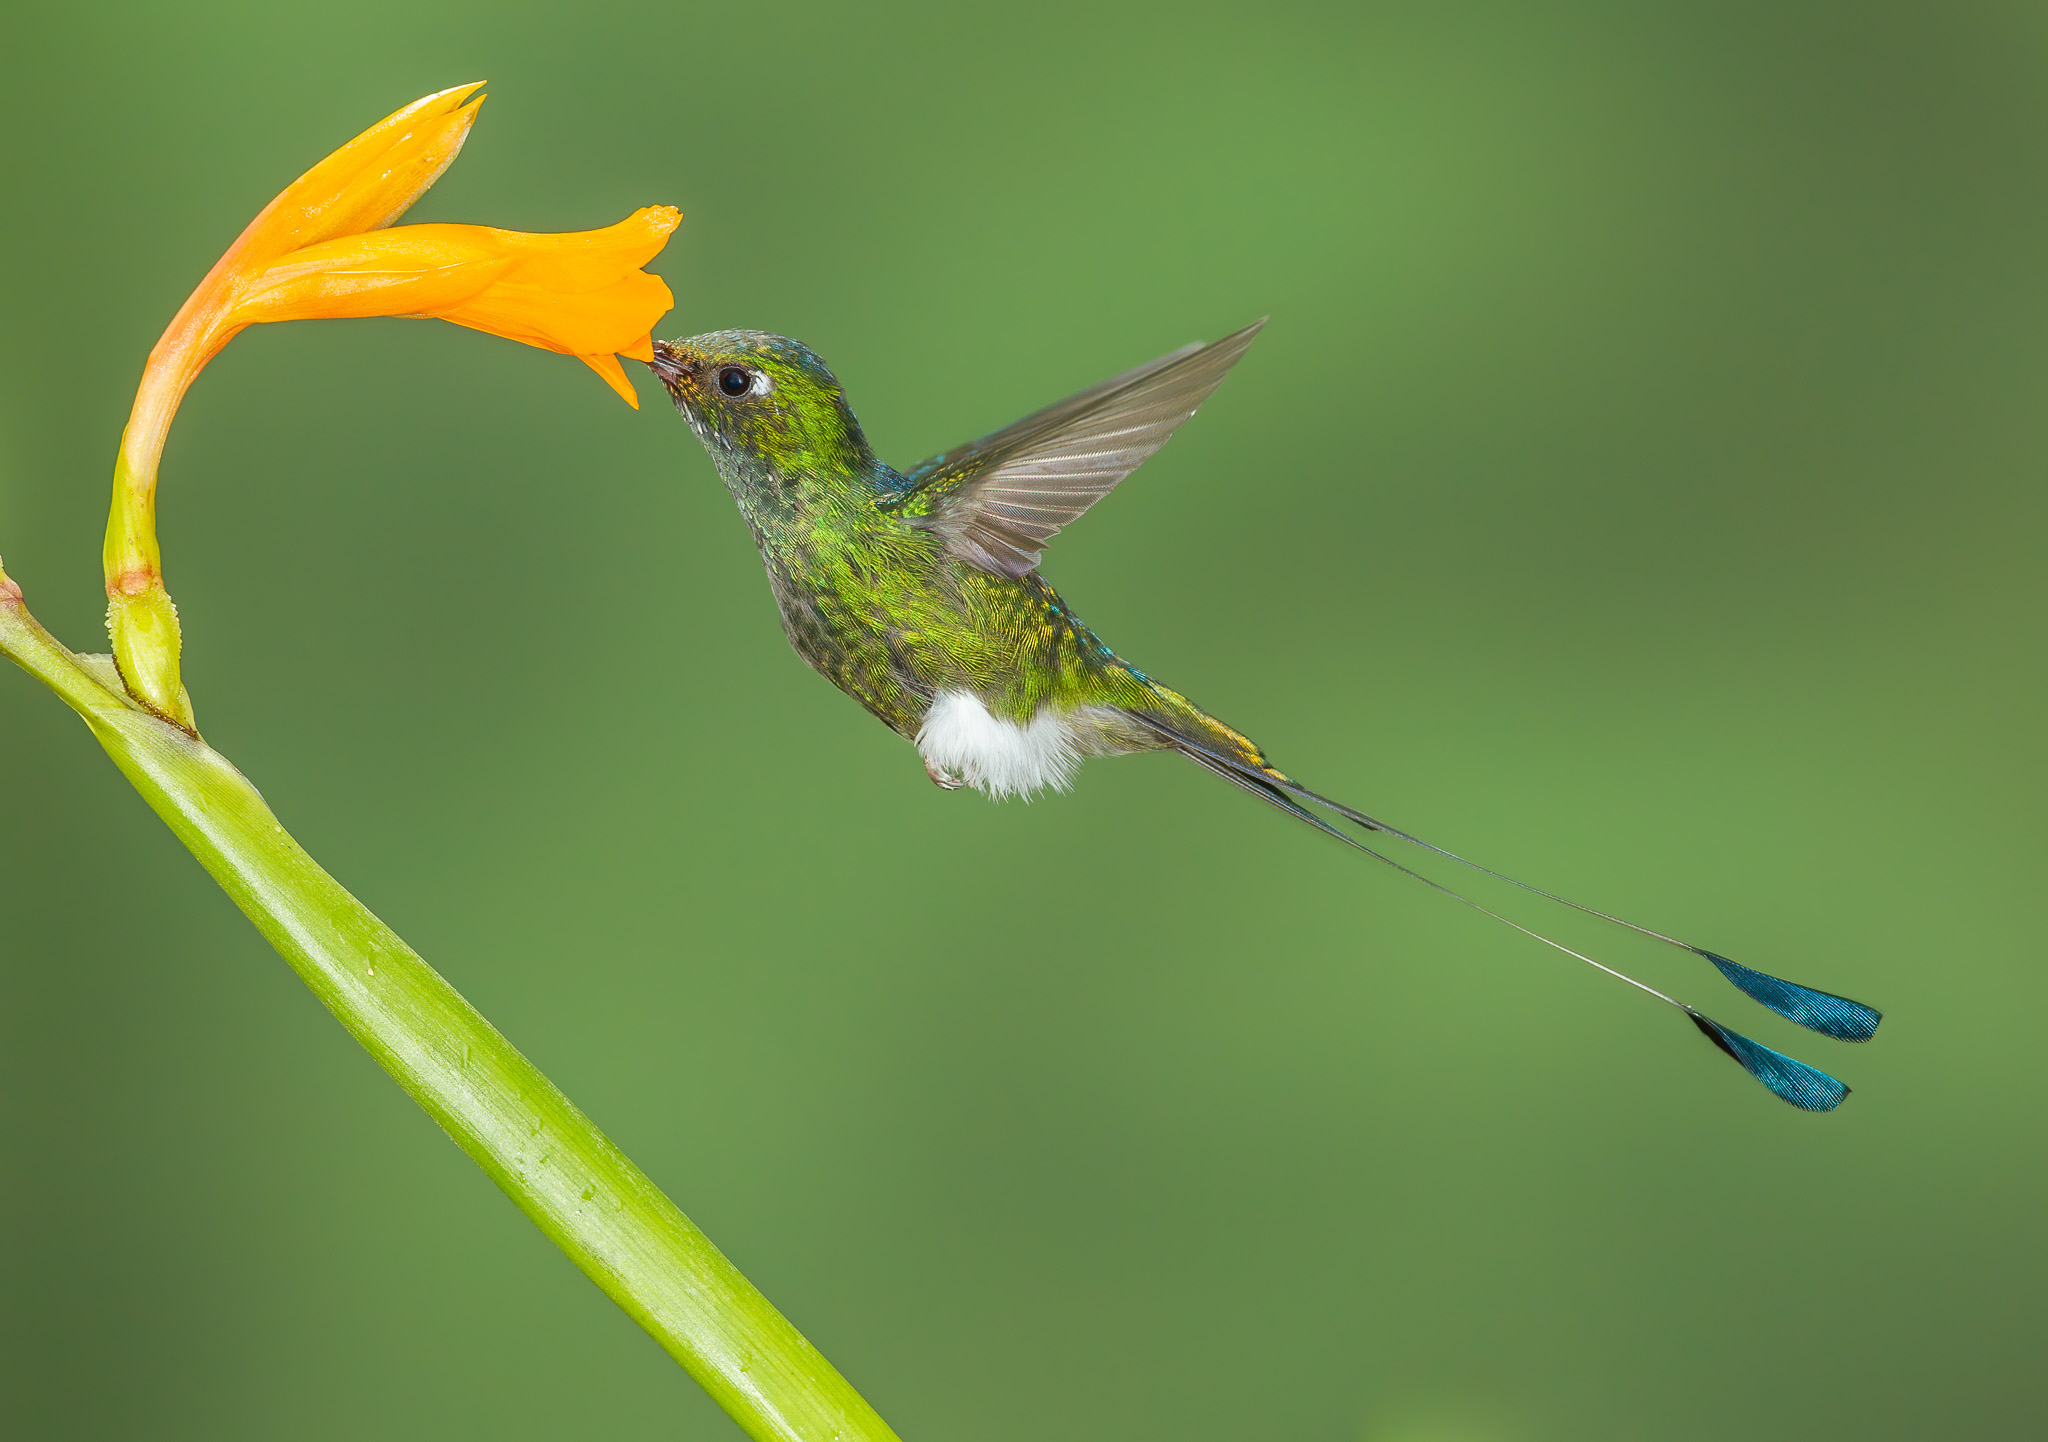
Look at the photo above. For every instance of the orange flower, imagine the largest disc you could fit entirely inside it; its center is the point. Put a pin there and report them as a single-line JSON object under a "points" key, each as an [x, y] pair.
{"points": [[321, 251], [582, 294]]}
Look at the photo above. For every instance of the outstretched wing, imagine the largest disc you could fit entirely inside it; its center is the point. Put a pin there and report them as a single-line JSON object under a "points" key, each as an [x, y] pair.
{"points": [[998, 500]]}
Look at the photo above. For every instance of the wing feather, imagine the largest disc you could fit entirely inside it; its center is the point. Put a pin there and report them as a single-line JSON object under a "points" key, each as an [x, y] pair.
{"points": [[997, 501]]}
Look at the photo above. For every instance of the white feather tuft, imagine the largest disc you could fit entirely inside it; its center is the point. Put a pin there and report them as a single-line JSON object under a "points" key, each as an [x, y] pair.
{"points": [[994, 754]]}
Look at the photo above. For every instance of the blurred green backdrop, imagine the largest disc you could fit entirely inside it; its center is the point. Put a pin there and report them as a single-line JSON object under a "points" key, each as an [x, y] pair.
{"points": [[1638, 488]]}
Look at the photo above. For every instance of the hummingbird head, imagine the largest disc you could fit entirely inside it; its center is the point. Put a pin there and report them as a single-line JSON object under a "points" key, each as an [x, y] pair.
{"points": [[766, 408]]}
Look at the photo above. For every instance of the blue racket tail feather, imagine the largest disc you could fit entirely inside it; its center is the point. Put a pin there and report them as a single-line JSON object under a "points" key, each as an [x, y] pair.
{"points": [[1788, 1078], [1821, 1011], [1791, 1080]]}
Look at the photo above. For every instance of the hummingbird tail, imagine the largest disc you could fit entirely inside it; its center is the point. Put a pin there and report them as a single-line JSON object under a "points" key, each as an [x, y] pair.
{"points": [[1232, 757]]}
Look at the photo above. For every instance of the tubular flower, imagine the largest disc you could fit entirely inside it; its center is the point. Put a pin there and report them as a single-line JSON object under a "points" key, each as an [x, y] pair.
{"points": [[322, 251], [582, 294]]}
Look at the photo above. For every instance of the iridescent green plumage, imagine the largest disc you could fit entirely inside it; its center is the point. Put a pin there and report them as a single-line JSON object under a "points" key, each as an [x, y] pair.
{"points": [[873, 593], [918, 595]]}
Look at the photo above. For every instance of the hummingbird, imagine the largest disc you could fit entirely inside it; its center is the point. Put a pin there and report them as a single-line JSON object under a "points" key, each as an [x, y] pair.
{"points": [[918, 594]]}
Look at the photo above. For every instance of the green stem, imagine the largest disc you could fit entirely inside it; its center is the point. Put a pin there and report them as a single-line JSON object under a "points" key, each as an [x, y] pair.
{"points": [[548, 1157]]}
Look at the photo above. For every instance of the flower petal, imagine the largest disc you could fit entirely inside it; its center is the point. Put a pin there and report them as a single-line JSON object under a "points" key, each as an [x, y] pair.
{"points": [[366, 184], [386, 190], [402, 247], [590, 259], [590, 322], [350, 293], [614, 376], [410, 270]]}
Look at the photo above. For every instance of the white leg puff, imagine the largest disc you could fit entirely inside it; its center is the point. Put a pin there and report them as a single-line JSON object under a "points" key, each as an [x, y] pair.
{"points": [[961, 739]]}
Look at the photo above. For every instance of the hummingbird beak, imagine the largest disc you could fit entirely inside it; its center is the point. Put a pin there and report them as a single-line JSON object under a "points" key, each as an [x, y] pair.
{"points": [[671, 363]]}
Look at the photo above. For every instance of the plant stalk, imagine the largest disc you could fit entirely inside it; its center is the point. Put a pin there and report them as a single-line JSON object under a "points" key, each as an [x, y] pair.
{"points": [[563, 1172]]}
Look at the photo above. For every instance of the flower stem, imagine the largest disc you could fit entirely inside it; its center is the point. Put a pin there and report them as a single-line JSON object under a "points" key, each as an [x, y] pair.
{"points": [[563, 1172]]}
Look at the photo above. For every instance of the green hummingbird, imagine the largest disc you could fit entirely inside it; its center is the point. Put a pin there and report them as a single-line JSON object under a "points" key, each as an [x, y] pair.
{"points": [[917, 593]]}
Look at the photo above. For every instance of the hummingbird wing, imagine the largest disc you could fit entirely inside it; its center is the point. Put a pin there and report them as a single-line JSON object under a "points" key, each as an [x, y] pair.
{"points": [[998, 500]]}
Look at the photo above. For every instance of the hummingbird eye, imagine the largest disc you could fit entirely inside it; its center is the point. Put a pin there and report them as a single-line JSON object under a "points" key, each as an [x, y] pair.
{"points": [[735, 380]]}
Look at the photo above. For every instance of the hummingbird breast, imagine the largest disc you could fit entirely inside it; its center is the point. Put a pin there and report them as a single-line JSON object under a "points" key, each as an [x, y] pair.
{"points": [[992, 678]]}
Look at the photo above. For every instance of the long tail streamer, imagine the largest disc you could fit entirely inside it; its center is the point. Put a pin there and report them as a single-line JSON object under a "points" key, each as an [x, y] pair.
{"points": [[1822, 1011]]}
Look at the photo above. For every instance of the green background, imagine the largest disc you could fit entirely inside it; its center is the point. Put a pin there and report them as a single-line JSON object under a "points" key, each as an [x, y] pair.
{"points": [[1638, 488]]}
